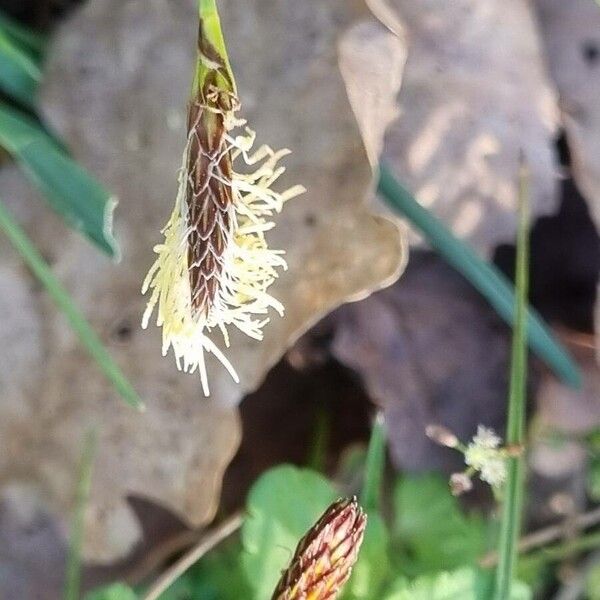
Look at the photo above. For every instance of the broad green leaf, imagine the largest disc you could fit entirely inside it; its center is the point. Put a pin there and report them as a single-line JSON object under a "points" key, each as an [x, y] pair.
{"points": [[71, 191], [373, 566], [431, 528], [462, 584], [592, 584], [116, 591], [282, 506], [19, 74], [536, 574]]}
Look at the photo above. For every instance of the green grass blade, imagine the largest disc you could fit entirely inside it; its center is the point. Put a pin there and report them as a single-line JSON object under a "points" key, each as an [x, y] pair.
{"points": [[62, 299], [484, 277], [370, 498], [71, 191], [19, 73], [32, 42], [73, 574], [512, 503]]}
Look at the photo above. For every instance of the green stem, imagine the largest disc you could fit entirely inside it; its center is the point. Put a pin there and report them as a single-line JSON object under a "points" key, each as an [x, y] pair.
{"points": [[212, 52], [562, 550], [88, 338], [371, 493], [515, 430], [484, 277], [317, 457], [73, 575]]}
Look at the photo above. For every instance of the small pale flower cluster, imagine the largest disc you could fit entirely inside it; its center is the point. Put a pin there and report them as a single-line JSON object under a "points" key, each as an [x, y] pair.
{"points": [[484, 456]]}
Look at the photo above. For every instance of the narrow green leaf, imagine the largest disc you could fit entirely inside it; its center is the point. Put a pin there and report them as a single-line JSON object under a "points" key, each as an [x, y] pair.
{"points": [[317, 451], [19, 74], [370, 497], [62, 299], [73, 576], [34, 43], [484, 277], [71, 191], [510, 526]]}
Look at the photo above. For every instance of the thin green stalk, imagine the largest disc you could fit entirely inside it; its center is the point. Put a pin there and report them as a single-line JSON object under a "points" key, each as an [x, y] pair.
{"points": [[73, 574], [510, 527], [88, 338], [562, 550], [375, 465], [484, 277], [317, 456]]}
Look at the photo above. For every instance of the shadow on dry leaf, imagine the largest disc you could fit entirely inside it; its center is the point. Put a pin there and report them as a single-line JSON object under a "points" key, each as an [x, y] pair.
{"points": [[418, 347], [572, 40]]}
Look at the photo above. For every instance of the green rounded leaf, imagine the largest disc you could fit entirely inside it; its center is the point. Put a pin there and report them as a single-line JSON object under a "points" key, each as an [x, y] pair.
{"points": [[462, 584], [431, 527], [282, 506], [116, 591]]}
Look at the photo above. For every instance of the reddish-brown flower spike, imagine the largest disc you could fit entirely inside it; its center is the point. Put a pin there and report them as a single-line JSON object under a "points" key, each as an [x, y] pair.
{"points": [[214, 267], [324, 557]]}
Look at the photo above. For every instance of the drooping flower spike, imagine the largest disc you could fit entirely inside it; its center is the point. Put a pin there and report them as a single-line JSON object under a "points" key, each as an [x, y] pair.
{"points": [[214, 266]]}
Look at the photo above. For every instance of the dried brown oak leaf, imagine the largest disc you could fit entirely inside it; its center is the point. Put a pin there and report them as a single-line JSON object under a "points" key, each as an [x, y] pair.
{"points": [[117, 82], [474, 92]]}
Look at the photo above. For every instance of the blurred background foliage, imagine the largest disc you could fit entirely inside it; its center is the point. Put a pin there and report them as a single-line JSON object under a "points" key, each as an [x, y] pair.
{"points": [[425, 349]]}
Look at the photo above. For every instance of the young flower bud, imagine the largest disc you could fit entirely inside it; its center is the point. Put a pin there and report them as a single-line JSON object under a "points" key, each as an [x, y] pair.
{"points": [[324, 558], [460, 483], [484, 455], [441, 435]]}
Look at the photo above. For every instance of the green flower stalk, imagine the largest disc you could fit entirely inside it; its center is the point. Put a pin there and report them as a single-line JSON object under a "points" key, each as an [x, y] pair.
{"points": [[214, 266], [324, 558]]}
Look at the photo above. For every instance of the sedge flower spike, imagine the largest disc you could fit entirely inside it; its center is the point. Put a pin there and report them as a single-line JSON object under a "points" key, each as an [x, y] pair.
{"points": [[214, 266], [325, 556]]}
